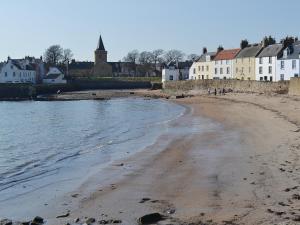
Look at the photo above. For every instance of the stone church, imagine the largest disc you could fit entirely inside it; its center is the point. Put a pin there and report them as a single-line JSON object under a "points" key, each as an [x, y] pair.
{"points": [[100, 68]]}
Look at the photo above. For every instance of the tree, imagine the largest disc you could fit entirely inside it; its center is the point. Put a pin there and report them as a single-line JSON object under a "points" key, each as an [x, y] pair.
{"points": [[288, 41], [156, 56], [173, 55], [53, 55], [268, 41], [204, 50], [132, 58], [145, 57], [244, 43], [193, 57], [220, 48], [67, 56]]}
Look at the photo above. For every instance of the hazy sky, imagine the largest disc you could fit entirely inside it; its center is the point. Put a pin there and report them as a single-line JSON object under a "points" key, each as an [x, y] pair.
{"points": [[29, 27]]}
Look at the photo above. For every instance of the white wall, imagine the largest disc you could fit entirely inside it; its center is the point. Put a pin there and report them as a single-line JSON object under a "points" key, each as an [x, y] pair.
{"points": [[220, 69], [265, 68], [167, 74], [58, 80], [12, 74], [287, 71]]}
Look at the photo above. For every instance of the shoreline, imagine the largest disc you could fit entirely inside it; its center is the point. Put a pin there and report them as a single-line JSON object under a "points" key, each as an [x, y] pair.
{"points": [[241, 170]]}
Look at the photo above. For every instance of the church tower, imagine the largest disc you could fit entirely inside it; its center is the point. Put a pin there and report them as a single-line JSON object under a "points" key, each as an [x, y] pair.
{"points": [[101, 67], [100, 53]]}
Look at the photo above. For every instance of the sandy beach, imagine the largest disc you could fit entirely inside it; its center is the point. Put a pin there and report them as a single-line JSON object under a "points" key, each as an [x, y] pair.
{"points": [[242, 170]]}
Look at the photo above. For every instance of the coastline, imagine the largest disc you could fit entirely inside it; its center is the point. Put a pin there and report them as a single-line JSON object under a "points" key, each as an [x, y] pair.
{"points": [[242, 168]]}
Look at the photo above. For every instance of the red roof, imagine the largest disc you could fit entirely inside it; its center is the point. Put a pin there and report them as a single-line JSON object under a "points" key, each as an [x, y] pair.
{"points": [[227, 54]]}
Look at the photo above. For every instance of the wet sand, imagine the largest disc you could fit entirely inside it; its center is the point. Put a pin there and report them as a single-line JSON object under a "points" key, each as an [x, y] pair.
{"points": [[242, 170]]}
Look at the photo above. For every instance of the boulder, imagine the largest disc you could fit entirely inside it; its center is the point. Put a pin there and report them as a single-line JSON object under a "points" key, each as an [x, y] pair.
{"points": [[152, 218]]}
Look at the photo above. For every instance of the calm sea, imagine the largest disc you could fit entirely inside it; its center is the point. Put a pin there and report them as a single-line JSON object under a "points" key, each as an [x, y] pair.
{"points": [[46, 143]]}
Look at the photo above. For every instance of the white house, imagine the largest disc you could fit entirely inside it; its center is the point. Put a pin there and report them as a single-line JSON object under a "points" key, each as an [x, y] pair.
{"points": [[176, 71], [54, 76], [288, 65], [15, 71], [266, 63], [223, 64]]}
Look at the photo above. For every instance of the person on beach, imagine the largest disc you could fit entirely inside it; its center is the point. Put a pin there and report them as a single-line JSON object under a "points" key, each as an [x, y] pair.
{"points": [[215, 91], [223, 91], [220, 91], [208, 91]]}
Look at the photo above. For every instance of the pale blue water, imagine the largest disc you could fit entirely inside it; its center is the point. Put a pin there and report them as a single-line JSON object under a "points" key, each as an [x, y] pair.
{"points": [[44, 143]]}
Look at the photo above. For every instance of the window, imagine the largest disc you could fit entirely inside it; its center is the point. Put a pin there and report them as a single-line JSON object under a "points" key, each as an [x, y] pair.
{"points": [[270, 59], [11, 67], [296, 75], [14, 74], [202, 77], [260, 60], [294, 64], [265, 78], [237, 70], [227, 62], [271, 78], [221, 62], [242, 69], [270, 69], [281, 76], [194, 71], [216, 62], [207, 77], [260, 70], [221, 70], [171, 77], [249, 69], [261, 78], [202, 68], [282, 65], [199, 68], [5, 74], [207, 68], [216, 70], [228, 70]]}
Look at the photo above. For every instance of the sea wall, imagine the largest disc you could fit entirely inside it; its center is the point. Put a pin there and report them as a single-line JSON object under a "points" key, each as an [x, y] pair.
{"points": [[229, 85], [294, 88]]}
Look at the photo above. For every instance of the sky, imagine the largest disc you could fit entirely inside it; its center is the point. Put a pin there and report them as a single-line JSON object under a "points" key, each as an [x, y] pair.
{"points": [[29, 27]]}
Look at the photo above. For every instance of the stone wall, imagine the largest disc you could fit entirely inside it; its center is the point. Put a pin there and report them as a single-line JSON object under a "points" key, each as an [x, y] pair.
{"points": [[233, 85], [294, 86]]}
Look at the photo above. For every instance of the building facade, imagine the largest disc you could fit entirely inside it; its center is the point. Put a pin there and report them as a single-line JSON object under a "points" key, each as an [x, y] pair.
{"points": [[203, 68], [17, 71], [54, 76], [223, 64], [244, 63], [266, 63], [174, 71], [288, 65]]}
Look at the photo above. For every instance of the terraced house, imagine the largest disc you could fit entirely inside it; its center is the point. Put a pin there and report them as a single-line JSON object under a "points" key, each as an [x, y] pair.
{"points": [[266, 62], [203, 68], [244, 63], [288, 65], [223, 64]]}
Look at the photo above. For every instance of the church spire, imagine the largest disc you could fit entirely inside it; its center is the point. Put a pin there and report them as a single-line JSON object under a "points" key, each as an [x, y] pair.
{"points": [[100, 44]]}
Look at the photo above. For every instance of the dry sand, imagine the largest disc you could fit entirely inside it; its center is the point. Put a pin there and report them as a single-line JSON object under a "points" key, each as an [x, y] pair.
{"points": [[245, 171]]}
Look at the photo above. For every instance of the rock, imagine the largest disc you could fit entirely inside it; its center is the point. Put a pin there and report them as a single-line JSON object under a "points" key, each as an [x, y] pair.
{"points": [[296, 196], [90, 221], [116, 221], [74, 195], [63, 215], [5, 222], [120, 164], [171, 211], [25, 223], [103, 222], [152, 218], [76, 220], [37, 220], [143, 200]]}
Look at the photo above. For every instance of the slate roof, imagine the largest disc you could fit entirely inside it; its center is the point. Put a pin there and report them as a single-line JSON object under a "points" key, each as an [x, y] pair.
{"points": [[271, 50], [295, 54], [202, 58], [100, 44], [227, 54], [81, 65], [52, 76], [251, 51]]}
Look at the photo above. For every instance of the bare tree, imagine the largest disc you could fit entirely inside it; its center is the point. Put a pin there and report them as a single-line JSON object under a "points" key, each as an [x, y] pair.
{"points": [[67, 56], [53, 55], [193, 57], [157, 56], [132, 57], [173, 55], [145, 60]]}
